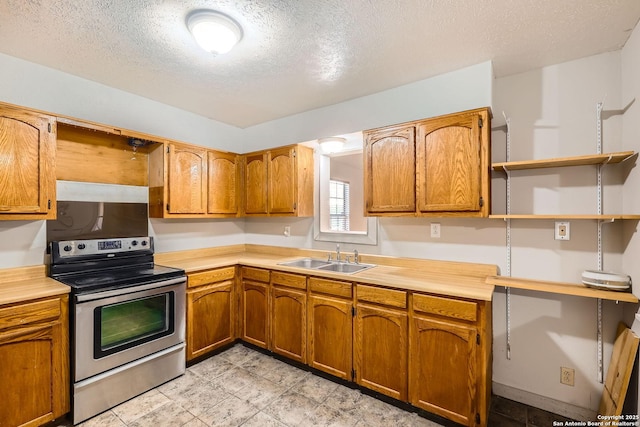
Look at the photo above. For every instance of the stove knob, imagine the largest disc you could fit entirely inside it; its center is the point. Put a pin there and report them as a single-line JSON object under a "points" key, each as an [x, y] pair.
{"points": [[81, 246], [144, 243], [67, 248], [134, 243]]}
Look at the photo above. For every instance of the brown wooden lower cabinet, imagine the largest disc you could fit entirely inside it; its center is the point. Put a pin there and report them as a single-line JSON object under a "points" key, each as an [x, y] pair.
{"points": [[255, 306], [449, 358], [211, 311], [381, 350], [330, 322], [442, 369], [431, 351], [289, 315], [34, 372]]}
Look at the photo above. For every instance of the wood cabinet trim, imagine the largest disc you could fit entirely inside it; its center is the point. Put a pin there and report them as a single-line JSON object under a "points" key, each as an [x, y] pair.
{"points": [[258, 274], [211, 276], [447, 307], [289, 280], [30, 312], [331, 287], [382, 296]]}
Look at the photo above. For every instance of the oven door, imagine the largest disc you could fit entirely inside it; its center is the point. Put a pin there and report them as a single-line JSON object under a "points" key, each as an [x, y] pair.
{"points": [[115, 327]]}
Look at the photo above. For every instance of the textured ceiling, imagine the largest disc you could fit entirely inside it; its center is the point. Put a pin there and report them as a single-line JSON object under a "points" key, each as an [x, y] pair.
{"points": [[297, 55]]}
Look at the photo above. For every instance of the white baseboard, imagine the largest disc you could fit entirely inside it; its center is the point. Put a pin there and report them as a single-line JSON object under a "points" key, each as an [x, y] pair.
{"points": [[546, 403]]}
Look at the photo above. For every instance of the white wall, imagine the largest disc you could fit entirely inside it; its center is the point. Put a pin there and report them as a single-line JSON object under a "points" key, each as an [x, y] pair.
{"points": [[456, 91]]}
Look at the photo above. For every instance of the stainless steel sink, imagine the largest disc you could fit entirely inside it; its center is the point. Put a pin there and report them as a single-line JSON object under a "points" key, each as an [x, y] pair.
{"points": [[319, 264], [341, 267], [305, 263]]}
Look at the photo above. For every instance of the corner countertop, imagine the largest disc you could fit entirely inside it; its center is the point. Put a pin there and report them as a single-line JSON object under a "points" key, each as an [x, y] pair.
{"points": [[456, 279], [464, 280]]}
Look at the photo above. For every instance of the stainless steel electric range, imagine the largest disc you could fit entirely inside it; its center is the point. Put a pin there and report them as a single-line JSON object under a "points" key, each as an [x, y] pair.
{"points": [[127, 320]]}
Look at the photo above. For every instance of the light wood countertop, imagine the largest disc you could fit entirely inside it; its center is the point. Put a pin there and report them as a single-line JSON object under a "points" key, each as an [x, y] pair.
{"points": [[464, 280], [28, 283]]}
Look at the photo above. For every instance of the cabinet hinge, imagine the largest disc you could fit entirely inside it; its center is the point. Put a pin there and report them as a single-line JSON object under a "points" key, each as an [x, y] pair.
{"points": [[353, 312], [295, 206], [353, 375], [294, 153], [480, 122], [49, 127], [167, 148], [477, 418], [168, 207], [49, 204], [478, 339], [481, 201]]}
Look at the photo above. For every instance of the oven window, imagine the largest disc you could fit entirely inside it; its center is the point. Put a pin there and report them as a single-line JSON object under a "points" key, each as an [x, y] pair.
{"points": [[130, 323]]}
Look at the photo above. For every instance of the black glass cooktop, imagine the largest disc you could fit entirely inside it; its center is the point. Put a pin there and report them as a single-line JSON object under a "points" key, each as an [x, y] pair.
{"points": [[115, 278]]}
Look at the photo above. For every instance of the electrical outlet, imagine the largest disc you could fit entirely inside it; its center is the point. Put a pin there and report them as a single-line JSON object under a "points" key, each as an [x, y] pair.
{"points": [[435, 230], [287, 230], [562, 230], [567, 376]]}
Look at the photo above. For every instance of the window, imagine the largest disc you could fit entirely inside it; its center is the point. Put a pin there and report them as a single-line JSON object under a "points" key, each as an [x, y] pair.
{"points": [[339, 205]]}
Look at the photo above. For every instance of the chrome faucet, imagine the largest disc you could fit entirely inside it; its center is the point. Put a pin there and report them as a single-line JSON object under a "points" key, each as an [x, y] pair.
{"points": [[356, 257], [338, 252]]}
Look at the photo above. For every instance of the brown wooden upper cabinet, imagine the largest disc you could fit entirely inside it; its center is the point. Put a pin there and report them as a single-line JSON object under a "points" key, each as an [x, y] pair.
{"points": [[431, 167], [279, 182], [390, 170], [27, 165], [191, 181]]}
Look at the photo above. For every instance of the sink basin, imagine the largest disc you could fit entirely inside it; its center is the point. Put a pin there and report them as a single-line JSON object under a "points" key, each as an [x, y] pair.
{"points": [[320, 264], [305, 263], [341, 267]]}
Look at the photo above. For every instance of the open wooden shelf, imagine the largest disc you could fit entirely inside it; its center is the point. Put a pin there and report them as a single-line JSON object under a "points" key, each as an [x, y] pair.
{"points": [[576, 289], [603, 217], [592, 159]]}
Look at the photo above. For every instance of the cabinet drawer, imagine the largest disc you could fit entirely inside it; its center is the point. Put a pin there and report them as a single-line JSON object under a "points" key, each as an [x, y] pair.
{"points": [[290, 280], [464, 310], [257, 274], [32, 312], [211, 276], [390, 297], [331, 287]]}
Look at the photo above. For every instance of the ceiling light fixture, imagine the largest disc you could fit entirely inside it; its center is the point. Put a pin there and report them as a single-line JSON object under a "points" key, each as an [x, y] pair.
{"points": [[215, 32], [332, 144]]}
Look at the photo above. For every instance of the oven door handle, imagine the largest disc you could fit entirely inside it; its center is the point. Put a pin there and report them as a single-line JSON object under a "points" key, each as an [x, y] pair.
{"points": [[123, 291]]}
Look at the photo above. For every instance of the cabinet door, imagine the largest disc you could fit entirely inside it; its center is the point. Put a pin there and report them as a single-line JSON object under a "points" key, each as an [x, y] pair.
{"points": [[389, 170], [449, 169], [27, 165], [187, 180], [381, 350], [331, 335], [33, 391], [283, 182], [255, 322], [442, 368], [223, 183], [210, 318], [289, 323], [255, 185]]}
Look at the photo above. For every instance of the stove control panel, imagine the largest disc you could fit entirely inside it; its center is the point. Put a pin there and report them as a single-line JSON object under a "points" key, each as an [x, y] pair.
{"points": [[107, 247]]}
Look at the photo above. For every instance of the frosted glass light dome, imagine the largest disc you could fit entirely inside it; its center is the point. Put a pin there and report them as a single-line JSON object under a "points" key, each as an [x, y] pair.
{"points": [[215, 32]]}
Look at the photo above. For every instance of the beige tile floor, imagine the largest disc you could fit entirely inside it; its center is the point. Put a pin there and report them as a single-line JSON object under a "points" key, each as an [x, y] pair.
{"points": [[243, 387]]}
